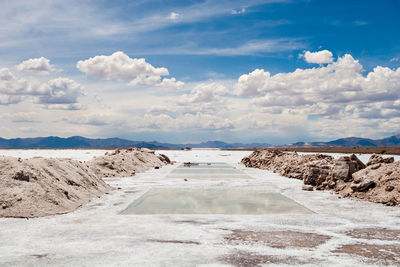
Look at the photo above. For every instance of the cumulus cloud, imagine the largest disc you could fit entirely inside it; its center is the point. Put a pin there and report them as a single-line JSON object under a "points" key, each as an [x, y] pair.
{"points": [[6, 75], [38, 65], [60, 91], [13, 89], [121, 67], [320, 57], [338, 90], [339, 81], [252, 84], [205, 93], [171, 83]]}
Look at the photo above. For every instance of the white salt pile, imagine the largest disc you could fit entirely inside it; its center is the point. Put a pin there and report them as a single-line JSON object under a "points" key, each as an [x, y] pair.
{"points": [[127, 162], [39, 186]]}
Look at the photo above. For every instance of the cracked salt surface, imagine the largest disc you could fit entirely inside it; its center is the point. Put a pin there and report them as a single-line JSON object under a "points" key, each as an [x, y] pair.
{"points": [[96, 234]]}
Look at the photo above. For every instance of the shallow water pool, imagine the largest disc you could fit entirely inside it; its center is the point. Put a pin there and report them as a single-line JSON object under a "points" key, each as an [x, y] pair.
{"points": [[214, 201]]}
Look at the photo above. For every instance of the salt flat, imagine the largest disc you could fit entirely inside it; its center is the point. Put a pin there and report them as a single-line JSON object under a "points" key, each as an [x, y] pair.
{"points": [[335, 232]]}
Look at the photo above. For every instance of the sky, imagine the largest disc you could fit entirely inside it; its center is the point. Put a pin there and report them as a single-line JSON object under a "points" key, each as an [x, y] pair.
{"points": [[273, 71]]}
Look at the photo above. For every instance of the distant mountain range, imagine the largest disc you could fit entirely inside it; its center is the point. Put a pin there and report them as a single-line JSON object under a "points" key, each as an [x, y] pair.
{"points": [[353, 141], [82, 142]]}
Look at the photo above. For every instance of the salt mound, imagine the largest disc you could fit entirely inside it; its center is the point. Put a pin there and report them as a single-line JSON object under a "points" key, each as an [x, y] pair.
{"points": [[127, 162], [379, 181], [39, 187]]}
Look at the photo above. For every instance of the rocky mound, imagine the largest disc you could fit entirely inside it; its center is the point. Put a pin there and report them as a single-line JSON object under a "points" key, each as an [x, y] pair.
{"points": [[127, 162], [39, 186], [310, 168], [378, 181]]}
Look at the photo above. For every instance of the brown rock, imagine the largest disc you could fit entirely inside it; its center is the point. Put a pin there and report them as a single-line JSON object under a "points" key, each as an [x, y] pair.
{"points": [[375, 159], [363, 186], [307, 187], [345, 166], [389, 188]]}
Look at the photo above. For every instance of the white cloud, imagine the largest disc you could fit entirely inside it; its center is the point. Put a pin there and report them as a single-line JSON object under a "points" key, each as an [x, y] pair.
{"points": [[335, 100], [252, 84], [394, 59], [6, 75], [121, 67], [36, 65], [280, 100], [320, 57], [60, 91], [173, 16], [171, 83], [74, 106], [63, 92], [339, 81], [13, 86], [337, 91], [187, 121], [204, 93]]}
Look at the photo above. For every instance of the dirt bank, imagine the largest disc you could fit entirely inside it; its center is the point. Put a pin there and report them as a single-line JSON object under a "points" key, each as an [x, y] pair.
{"points": [[377, 181], [38, 186]]}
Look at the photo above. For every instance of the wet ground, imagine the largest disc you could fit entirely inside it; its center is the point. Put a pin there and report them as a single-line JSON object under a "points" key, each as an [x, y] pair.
{"points": [[208, 215]]}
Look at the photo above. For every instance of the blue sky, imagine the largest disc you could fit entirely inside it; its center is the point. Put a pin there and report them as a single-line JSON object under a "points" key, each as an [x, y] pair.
{"points": [[212, 69]]}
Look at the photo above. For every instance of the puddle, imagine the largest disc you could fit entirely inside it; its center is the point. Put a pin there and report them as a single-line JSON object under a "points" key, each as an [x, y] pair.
{"points": [[202, 165], [207, 171], [213, 201]]}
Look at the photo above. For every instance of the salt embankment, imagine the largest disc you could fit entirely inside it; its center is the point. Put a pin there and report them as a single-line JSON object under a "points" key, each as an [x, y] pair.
{"points": [[39, 187], [377, 181], [127, 162], [36, 187]]}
